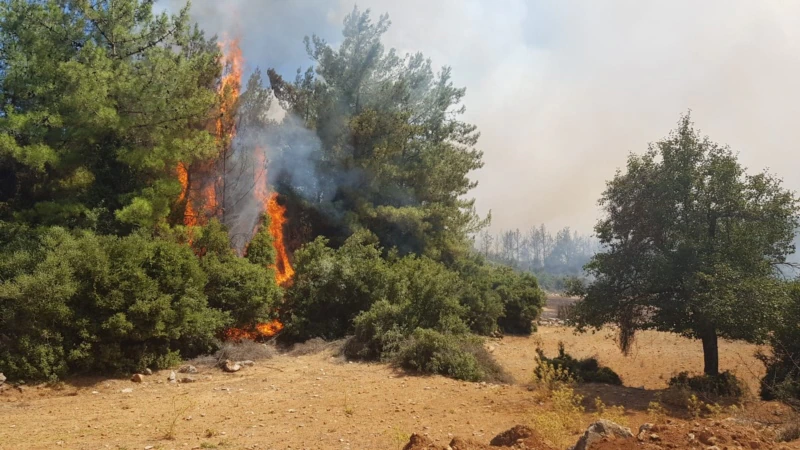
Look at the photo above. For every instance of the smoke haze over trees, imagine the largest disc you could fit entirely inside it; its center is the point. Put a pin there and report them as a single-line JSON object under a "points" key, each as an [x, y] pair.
{"points": [[562, 91], [551, 256]]}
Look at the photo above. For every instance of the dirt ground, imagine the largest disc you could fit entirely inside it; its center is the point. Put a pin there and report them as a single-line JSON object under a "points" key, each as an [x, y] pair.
{"points": [[319, 401]]}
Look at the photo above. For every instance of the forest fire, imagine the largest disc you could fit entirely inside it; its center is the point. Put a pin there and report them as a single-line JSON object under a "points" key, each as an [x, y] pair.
{"points": [[202, 184], [259, 332], [283, 269]]}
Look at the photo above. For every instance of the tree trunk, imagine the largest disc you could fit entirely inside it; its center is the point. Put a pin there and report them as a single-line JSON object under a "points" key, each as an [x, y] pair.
{"points": [[710, 352]]}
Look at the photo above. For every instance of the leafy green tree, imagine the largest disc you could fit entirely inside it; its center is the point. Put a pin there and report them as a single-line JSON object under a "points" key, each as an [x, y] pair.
{"points": [[391, 141], [100, 101], [691, 246]]}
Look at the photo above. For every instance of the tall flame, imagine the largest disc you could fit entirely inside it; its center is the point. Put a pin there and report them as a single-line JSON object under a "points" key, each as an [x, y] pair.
{"points": [[229, 87], [200, 192], [225, 131], [277, 218]]}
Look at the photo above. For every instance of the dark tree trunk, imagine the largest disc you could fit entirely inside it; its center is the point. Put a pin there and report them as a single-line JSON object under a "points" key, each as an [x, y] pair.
{"points": [[710, 352]]}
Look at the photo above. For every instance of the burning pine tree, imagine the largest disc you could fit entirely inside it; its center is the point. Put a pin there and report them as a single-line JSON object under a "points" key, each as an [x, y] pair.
{"points": [[232, 187]]}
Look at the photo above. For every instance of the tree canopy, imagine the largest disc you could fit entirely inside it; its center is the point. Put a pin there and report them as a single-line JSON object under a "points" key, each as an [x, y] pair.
{"points": [[100, 101], [394, 156], [691, 243]]}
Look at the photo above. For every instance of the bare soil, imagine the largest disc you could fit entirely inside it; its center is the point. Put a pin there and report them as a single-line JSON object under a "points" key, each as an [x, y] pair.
{"points": [[313, 399]]}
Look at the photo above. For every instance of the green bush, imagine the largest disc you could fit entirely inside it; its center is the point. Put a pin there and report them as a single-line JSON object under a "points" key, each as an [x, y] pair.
{"points": [[782, 379], [458, 356], [586, 370], [76, 302], [379, 332], [428, 294], [482, 302], [522, 299], [723, 385], [331, 287], [243, 287]]}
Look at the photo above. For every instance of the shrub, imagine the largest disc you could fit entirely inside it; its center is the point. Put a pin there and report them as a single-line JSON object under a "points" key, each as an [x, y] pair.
{"points": [[586, 370], [378, 333], [782, 378], [723, 385], [522, 299], [483, 305], [428, 294], [559, 424], [76, 302], [429, 351], [331, 287]]}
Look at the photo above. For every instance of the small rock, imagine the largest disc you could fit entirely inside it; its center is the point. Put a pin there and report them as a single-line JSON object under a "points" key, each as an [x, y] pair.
{"points": [[755, 445], [229, 366], [187, 380], [148, 372], [172, 377], [600, 430], [655, 437], [246, 363], [127, 391], [643, 431], [2, 378], [707, 437], [137, 378], [188, 369]]}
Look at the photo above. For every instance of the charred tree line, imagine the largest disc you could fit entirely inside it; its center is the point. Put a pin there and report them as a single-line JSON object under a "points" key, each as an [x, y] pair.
{"points": [[539, 250]]}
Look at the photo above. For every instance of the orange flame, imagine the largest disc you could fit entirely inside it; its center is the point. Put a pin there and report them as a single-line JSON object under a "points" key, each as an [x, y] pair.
{"points": [[201, 201], [260, 331], [283, 269], [229, 87], [189, 216]]}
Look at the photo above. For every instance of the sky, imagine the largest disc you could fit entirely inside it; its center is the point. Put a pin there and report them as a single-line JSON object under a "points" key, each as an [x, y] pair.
{"points": [[563, 91]]}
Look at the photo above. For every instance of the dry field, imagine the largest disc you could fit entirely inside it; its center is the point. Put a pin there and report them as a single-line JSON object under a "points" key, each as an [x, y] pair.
{"points": [[319, 401]]}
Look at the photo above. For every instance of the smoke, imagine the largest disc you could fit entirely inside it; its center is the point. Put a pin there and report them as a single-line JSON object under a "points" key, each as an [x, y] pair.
{"points": [[563, 91]]}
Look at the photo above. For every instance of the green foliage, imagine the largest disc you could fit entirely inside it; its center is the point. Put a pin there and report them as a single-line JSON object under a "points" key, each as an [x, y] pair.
{"points": [[782, 379], [80, 302], [389, 128], [724, 384], [100, 102], [568, 368], [261, 250], [458, 356], [239, 286], [332, 286], [378, 332], [498, 297], [522, 299], [691, 242]]}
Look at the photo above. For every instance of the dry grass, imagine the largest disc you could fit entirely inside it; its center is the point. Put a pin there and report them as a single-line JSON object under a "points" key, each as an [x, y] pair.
{"points": [[315, 346], [245, 350], [562, 420]]}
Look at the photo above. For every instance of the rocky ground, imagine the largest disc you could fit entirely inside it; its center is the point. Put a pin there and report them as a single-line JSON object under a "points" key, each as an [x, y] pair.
{"points": [[311, 399]]}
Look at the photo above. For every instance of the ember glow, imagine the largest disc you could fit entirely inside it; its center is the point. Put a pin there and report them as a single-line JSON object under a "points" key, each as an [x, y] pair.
{"points": [[260, 332]]}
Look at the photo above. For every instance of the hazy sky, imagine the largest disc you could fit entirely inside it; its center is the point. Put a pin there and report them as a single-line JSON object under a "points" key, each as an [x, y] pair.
{"points": [[562, 91]]}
